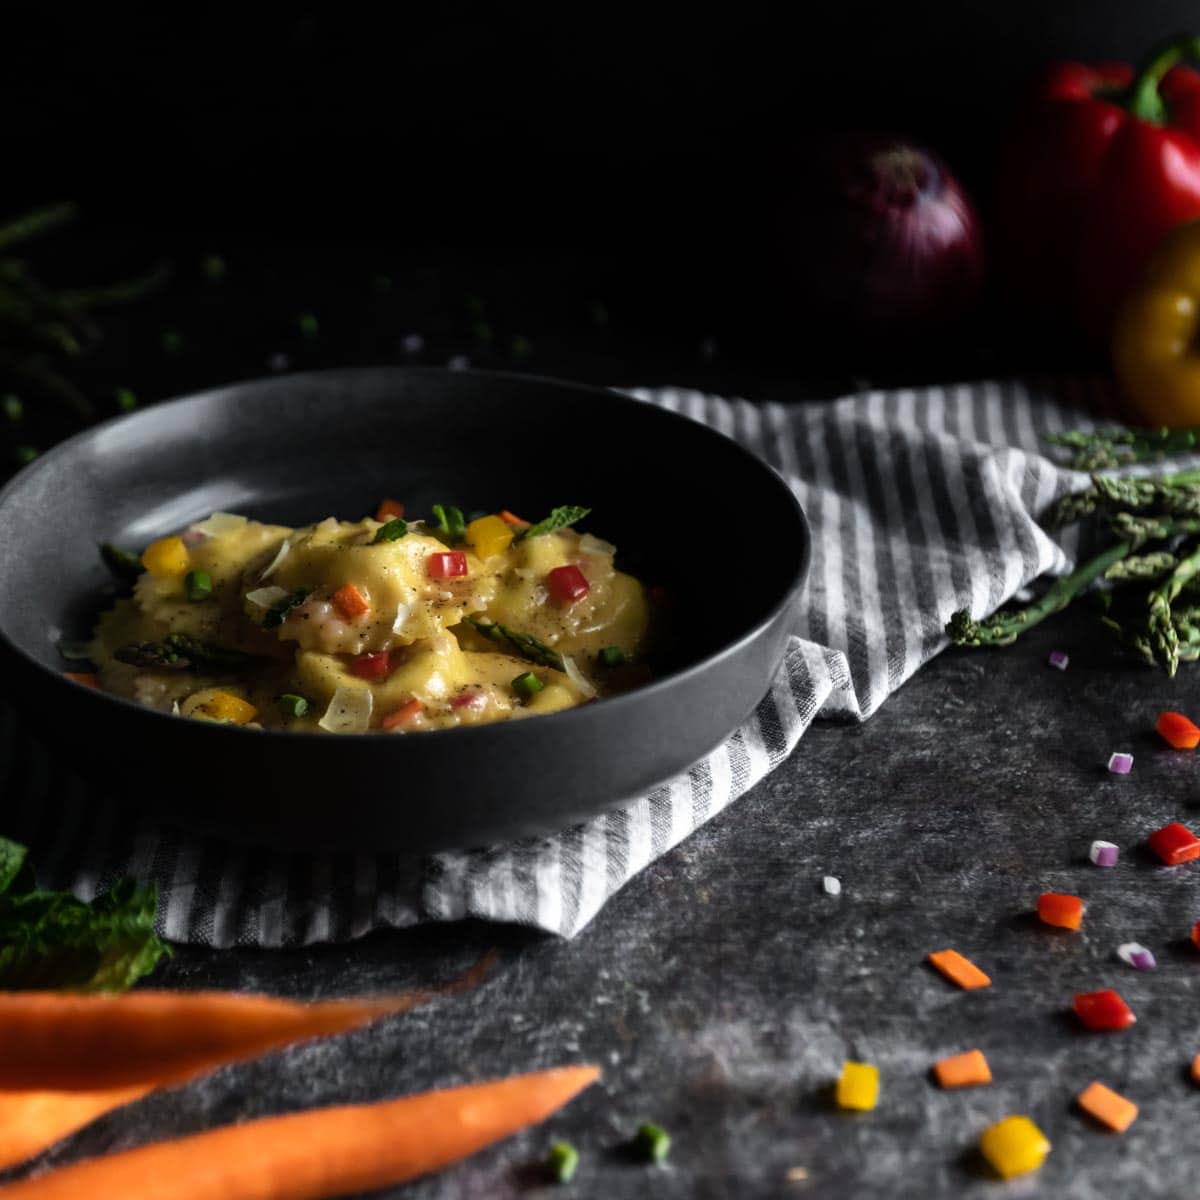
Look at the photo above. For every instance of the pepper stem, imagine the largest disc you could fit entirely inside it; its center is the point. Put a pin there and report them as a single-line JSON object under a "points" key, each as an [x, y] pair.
{"points": [[1143, 99]]}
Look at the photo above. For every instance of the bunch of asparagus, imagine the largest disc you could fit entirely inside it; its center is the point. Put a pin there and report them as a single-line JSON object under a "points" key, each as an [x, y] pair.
{"points": [[1147, 575]]}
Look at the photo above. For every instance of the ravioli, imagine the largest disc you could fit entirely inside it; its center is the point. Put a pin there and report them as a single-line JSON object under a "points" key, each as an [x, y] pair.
{"points": [[375, 625]]}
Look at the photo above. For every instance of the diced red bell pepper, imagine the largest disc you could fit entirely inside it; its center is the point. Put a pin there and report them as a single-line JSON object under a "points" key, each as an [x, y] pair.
{"points": [[449, 564], [389, 510], [1196, 935], [1103, 1010], [1178, 731], [567, 584], [87, 678], [350, 602], [1175, 844], [371, 666], [402, 715], [1057, 909]]}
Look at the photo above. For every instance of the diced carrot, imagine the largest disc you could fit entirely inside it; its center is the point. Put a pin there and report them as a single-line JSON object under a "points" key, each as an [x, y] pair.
{"points": [[319, 1154], [1055, 908], [87, 678], [32, 1121], [958, 969], [1107, 1107], [60, 1041], [513, 520], [1196, 1069], [402, 715], [389, 510], [350, 602], [969, 1069]]}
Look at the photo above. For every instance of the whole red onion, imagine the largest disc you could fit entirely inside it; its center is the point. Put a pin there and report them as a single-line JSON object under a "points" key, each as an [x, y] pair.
{"points": [[882, 235]]}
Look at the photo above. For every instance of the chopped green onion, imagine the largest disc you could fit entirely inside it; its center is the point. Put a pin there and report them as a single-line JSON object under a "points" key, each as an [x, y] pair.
{"points": [[528, 685], [279, 613], [172, 341], [562, 1162], [652, 1142], [14, 410], [126, 400], [520, 347], [613, 656], [25, 455], [309, 325], [198, 585], [390, 531], [293, 705], [214, 267], [450, 523]]}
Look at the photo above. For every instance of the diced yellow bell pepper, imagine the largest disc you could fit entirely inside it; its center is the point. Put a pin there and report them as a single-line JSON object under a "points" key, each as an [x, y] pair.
{"points": [[858, 1087], [488, 536], [167, 558], [225, 706], [1014, 1146]]}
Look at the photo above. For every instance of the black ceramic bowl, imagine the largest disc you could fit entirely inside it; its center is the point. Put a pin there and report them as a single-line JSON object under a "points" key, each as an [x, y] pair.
{"points": [[688, 508]]}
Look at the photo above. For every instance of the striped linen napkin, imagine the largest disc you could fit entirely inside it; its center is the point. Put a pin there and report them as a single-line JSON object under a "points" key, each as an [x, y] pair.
{"points": [[921, 501]]}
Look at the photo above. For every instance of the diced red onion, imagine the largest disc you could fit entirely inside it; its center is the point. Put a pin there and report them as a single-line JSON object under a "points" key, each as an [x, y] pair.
{"points": [[577, 677], [266, 597], [1104, 854], [1137, 956], [412, 343], [1058, 660], [284, 549], [469, 700], [1120, 763]]}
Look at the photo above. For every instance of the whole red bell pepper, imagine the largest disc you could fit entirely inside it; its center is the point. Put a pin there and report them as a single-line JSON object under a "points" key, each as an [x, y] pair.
{"points": [[1103, 163]]}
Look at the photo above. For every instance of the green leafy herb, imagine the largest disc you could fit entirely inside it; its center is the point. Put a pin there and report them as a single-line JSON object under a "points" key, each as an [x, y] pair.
{"points": [[562, 1162], [450, 526], [279, 612], [54, 940], [197, 586], [613, 656], [127, 400], [559, 518], [652, 1142], [293, 705], [527, 685], [182, 652], [124, 565], [522, 644], [390, 531]]}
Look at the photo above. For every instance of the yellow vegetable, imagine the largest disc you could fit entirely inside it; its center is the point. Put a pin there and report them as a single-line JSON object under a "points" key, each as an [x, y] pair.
{"points": [[858, 1087], [1014, 1146], [488, 536], [167, 558], [216, 705], [1155, 351]]}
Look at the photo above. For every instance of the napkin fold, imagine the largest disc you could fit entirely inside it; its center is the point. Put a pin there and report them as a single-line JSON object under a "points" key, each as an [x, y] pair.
{"points": [[921, 501]]}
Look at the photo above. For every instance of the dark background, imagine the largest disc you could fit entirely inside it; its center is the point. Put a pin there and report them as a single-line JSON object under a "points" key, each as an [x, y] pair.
{"points": [[602, 195]]}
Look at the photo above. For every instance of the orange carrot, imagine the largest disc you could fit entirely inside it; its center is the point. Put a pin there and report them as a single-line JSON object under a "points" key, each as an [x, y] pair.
{"points": [[513, 520], [350, 602], [958, 969], [60, 1041], [87, 678], [31, 1121], [402, 715], [389, 510], [319, 1154], [1108, 1107], [968, 1069]]}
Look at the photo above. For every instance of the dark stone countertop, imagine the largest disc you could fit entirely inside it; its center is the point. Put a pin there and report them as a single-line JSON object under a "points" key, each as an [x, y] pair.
{"points": [[722, 990]]}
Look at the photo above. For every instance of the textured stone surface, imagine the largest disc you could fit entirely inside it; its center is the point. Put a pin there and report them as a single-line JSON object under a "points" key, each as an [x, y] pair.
{"points": [[722, 989]]}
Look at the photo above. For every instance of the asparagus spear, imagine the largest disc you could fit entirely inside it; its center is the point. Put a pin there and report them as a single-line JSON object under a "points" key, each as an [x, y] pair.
{"points": [[1096, 450], [523, 644], [181, 652], [124, 565]]}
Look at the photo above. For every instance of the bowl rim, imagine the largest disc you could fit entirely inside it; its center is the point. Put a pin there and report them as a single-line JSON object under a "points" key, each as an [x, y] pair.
{"points": [[583, 712]]}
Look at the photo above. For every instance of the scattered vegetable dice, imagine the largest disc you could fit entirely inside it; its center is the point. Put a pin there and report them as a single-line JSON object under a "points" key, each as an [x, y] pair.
{"points": [[1175, 844], [1196, 935], [567, 584], [1014, 1146], [350, 602], [969, 1069], [1120, 763], [404, 715], [1196, 1069], [562, 1162], [652, 1142], [489, 535], [1107, 1107], [166, 558], [858, 1086], [225, 706], [389, 510], [372, 666], [1137, 956], [1104, 854], [1066, 912], [1103, 1011], [1058, 660], [448, 564], [1178, 731], [958, 969], [86, 678], [832, 885]]}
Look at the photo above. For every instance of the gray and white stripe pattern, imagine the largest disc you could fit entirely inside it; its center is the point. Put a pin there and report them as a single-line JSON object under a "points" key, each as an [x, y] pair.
{"points": [[921, 501]]}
